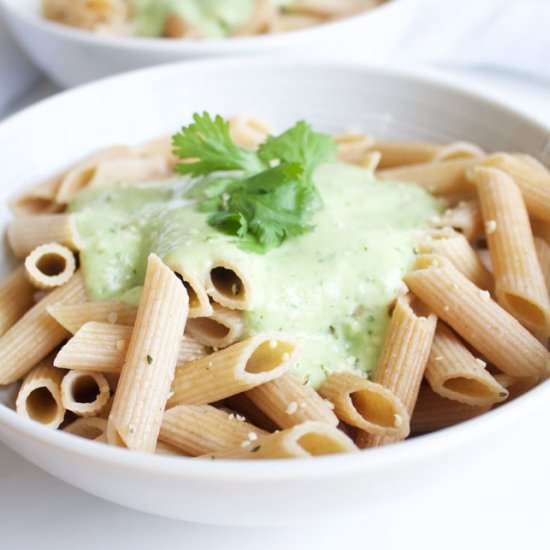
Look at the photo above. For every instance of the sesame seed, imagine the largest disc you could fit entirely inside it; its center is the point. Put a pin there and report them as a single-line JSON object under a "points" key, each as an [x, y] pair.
{"points": [[112, 317], [397, 420], [286, 357], [292, 407], [245, 444], [485, 294], [329, 404], [252, 436], [480, 362], [490, 226], [273, 344], [438, 358]]}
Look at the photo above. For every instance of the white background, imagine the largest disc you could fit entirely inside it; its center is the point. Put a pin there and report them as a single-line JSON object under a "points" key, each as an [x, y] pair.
{"points": [[38, 511]]}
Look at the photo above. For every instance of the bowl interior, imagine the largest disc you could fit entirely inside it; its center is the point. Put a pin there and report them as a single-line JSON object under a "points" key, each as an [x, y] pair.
{"points": [[140, 106]]}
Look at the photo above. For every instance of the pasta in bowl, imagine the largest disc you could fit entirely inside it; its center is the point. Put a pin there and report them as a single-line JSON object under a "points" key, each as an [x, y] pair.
{"points": [[242, 294]]}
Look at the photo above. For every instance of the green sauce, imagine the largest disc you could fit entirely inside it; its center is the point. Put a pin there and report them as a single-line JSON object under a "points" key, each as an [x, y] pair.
{"points": [[330, 287], [213, 18]]}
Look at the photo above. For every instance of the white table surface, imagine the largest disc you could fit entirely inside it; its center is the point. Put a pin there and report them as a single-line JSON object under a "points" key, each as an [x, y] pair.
{"points": [[37, 510]]}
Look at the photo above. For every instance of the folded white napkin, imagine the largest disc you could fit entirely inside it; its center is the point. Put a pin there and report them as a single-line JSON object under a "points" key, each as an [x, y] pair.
{"points": [[17, 74]]}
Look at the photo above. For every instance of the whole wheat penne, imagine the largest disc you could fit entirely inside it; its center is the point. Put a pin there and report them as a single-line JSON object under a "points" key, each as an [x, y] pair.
{"points": [[38, 200], [101, 347], [440, 178], [475, 316], [85, 393], [230, 286], [16, 297], [248, 131], [221, 329], [464, 218], [403, 360], [353, 147], [434, 412], [532, 180], [543, 255], [453, 372], [149, 365], [235, 369], [519, 282], [49, 266], [199, 302], [74, 317], [39, 397], [203, 429], [28, 232], [366, 405], [301, 441], [36, 334], [397, 154], [88, 428], [454, 246], [289, 401]]}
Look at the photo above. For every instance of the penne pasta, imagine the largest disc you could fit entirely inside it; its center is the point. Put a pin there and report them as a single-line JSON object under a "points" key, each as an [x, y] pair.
{"points": [[289, 401], [531, 178], [203, 429], [519, 282], [101, 347], [27, 233], [38, 200], [142, 392], [434, 412], [301, 441], [464, 218], [453, 372], [88, 428], [403, 360], [397, 154], [366, 405], [36, 334], [39, 397], [458, 150], [221, 329], [444, 178], [74, 316], [228, 286], [248, 131], [481, 322], [49, 266], [85, 393], [233, 370], [16, 297], [353, 147]]}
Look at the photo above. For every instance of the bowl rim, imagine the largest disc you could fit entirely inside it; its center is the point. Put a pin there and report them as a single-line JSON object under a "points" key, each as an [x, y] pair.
{"points": [[376, 460], [225, 46]]}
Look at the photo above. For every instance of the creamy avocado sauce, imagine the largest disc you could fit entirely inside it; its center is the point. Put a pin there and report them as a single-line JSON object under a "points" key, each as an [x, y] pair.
{"points": [[330, 287], [212, 18]]}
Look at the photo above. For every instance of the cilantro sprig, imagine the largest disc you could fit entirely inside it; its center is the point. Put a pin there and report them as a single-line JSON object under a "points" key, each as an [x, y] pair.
{"points": [[262, 198]]}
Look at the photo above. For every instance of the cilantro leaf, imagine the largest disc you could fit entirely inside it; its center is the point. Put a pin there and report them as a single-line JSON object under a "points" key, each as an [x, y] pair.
{"points": [[261, 198], [299, 144], [207, 147]]}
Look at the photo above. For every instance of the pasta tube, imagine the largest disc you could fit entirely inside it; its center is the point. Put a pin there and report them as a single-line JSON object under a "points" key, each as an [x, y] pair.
{"points": [[440, 178], [453, 372], [150, 362], [101, 347], [403, 360], [229, 286], [85, 393], [203, 429], [16, 297], [221, 329], [26, 233], [454, 246], [519, 282], [235, 369], [74, 317], [36, 334], [38, 200], [366, 405], [49, 266], [248, 131], [39, 397], [473, 314], [88, 428], [301, 441], [288, 401], [464, 218], [353, 147]]}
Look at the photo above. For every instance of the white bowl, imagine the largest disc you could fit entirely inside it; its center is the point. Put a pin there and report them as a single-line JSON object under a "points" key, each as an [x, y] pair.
{"points": [[71, 56], [468, 460]]}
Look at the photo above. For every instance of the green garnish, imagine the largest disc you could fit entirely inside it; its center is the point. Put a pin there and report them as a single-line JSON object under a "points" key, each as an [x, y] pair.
{"points": [[262, 198], [149, 359]]}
